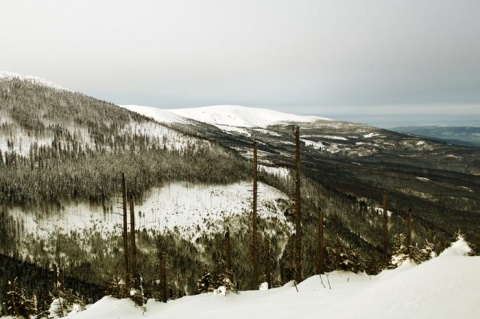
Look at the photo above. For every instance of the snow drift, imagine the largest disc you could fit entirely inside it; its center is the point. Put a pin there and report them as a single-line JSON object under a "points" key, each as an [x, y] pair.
{"points": [[444, 287]]}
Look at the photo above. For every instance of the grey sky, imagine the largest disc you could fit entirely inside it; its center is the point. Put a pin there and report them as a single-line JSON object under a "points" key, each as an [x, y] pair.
{"points": [[338, 58]]}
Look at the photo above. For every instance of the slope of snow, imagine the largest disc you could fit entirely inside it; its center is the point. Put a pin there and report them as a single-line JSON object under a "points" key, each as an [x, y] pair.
{"points": [[159, 115], [241, 116], [33, 79], [445, 287], [193, 209]]}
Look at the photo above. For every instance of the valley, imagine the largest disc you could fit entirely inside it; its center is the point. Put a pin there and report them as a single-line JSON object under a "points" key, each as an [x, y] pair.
{"points": [[190, 174]]}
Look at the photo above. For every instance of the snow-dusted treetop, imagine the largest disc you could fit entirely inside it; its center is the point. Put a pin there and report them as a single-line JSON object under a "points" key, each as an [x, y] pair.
{"points": [[33, 79]]}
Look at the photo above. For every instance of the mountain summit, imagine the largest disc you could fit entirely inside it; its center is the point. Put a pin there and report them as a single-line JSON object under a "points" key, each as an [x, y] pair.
{"points": [[225, 115]]}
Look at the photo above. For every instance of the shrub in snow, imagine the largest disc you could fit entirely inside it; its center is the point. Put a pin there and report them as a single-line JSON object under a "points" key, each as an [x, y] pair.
{"points": [[224, 279], [209, 283], [412, 253], [206, 283], [65, 302], [116, 288], [460, 247], [341, 257], [16, 303], [137, 296]]}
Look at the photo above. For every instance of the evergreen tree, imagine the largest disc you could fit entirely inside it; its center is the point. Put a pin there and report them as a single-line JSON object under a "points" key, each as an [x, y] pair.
{"points": [[206, 283], [402, 252], [16, 303]]}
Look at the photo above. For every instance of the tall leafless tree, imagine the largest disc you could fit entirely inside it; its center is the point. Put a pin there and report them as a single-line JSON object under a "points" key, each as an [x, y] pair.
{"points": [[385, 224], [298, 213], [228, 256], [125, 232], [254, 218], [163, 277], [320, 256], [133, 245], [268, 278], [409, 229]]}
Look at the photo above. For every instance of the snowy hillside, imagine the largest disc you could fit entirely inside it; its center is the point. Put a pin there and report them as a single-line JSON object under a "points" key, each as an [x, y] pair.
{"points": [[159, 115], [192, 209], [33, 79], [444, 287]]}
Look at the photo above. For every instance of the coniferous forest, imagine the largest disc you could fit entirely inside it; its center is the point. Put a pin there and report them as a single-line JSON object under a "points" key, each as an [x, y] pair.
{"points": [[61, 148]]}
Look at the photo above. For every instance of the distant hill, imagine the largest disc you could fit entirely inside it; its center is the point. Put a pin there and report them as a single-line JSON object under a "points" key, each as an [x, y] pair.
{"points": [[460, 135]]}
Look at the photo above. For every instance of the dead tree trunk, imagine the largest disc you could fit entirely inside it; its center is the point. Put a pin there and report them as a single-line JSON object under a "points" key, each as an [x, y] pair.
{"points": [[228, 257], [61, 274], [385, 219], [125, 232], [320, 257], [55, 277], [430, 235], [254, 218], [267, 264], [133, 245], [298, 214], [409, 229], [163, 277]]}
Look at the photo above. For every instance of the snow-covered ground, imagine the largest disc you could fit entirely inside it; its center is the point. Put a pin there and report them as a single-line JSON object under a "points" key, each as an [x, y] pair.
{"points": [[445, 287], [193, 209]]}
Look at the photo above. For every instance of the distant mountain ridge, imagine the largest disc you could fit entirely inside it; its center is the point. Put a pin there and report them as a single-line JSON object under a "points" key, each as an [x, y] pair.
{"points": [[224, 115], [460, 135]]}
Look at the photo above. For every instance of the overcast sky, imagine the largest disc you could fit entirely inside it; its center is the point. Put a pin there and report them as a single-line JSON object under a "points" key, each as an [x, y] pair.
{"points": [[380, 62]]}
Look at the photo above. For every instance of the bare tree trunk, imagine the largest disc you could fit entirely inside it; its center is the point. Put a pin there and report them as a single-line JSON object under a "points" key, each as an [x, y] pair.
{"points": [[254, 219], [55, 277], [133, 245], [267, 264], [163, 277], [62, 278], [409, 229], [430, 235], [385, 218], [125, 232], [228, 257], [320, 257], [298, 214]]}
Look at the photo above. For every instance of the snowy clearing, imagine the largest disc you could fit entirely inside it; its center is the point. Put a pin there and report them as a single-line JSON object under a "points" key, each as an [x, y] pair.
{"points": [[193, 209]]}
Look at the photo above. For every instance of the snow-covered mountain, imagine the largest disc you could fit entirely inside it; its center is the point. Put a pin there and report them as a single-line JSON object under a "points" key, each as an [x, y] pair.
{"points": [[228, 118], [241, 116]]}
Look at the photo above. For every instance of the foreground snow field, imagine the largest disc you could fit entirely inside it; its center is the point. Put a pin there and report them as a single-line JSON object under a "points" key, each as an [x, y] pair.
{"points": [[444, 287]]}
